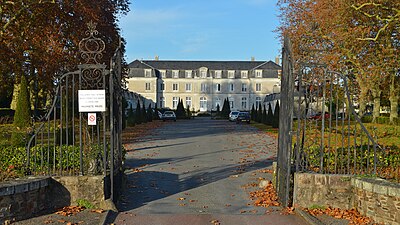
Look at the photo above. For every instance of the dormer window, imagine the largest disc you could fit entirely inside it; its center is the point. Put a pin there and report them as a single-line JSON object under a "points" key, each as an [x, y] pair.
{"points": [[218, 74], [188, 74], [231, 74], [163, 73], [175, 73], [258, 73], [147, 73], [243, 74], [203, 72]]}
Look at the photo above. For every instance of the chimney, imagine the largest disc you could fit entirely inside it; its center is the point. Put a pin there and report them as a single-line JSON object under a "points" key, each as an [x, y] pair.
{"points": [[253, 59], [277, 60], [156, 58]]}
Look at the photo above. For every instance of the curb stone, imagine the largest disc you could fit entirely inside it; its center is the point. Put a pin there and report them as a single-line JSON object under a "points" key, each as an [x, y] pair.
{"points": [[309, 218], [103, 221]]}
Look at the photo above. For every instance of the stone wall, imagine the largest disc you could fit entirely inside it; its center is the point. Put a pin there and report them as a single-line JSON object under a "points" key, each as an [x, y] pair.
{"points": [[24, 199], [375, 198], [322, 190], [67, 190], [378, 199]]}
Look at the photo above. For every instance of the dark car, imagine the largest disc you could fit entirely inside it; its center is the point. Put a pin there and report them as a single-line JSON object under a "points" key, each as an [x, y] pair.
{"points": [[169, 115], [318, 116], [243, 117]]}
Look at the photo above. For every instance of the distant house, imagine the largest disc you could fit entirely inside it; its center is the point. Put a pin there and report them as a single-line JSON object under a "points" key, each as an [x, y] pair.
{"points": [[203, 85]]}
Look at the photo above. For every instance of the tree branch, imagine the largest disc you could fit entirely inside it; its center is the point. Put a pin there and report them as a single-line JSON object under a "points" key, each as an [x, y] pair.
{"points": [[387, 21]]}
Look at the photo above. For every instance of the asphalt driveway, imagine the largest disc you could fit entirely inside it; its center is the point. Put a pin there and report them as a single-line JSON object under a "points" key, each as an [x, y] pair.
{"points": [[198, 172]]}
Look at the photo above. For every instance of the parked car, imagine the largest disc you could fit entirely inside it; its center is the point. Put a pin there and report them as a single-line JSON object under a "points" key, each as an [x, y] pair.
{"points": [[318, 116], [243, 117], [169, 115], [233, 115]]}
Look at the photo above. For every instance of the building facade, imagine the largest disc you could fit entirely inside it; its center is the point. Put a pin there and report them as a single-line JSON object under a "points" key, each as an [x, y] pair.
{"points": [[203, 85]]}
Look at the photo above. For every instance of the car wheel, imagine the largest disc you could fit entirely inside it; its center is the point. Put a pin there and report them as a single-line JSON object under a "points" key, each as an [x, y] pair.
{"points": [[163, 120], [248, 122], [174, 120]]}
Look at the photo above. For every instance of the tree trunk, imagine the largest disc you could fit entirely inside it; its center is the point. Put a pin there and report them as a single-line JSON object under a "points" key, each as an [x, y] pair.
{"points": [[363, 100], [394, 100], [376, 94], [15, 95]]}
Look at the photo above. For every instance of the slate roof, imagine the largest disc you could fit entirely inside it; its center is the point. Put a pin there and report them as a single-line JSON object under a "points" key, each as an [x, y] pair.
{"points": [[211, 65]]}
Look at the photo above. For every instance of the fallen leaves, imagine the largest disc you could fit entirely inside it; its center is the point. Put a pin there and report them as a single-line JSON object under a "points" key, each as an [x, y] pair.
{"points": [[288, 211], [215, 222], [70, 210], [354, 217], [137, 170], [265, 197], [100, 211]]}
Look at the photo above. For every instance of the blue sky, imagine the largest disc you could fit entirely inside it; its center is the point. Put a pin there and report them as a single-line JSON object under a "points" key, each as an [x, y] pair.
{"points": [[201, 30]]}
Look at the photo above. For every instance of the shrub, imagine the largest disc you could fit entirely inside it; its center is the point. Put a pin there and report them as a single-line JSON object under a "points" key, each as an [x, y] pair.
{"points": [[22, 117]]}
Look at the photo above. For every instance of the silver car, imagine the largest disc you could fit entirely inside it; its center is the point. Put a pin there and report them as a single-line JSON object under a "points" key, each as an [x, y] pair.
{"points": [[233, 115], [169, 115]]}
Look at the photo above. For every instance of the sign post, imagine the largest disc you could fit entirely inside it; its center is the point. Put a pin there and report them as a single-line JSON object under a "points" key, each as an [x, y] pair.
{"points": [[92, 100]]}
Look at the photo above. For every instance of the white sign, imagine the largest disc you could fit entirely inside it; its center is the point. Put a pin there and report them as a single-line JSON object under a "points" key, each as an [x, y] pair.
{"points": [[92, 100], [92, 119]]}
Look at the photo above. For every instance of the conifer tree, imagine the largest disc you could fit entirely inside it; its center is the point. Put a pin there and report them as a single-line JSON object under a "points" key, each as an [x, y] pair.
{"points": [[259, 113], [270, 115], [130, 117], [253, 113], [22, 117], [264, 116], [144, 114], [275, 121], [138, 113], [180, 110], [149, 113]]}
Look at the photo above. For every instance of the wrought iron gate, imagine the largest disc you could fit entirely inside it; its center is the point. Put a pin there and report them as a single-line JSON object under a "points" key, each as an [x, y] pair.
{"points": [[319, 128], [73, 140]]}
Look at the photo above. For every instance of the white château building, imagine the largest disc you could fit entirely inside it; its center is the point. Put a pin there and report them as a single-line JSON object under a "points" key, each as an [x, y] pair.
{"points": [[202, 85]]}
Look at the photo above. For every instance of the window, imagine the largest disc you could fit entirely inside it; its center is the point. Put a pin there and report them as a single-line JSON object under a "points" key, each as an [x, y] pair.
{"points": [[243, 74], [147, 86], [175, 73], [218, 87], [258, 87], [162, 102], [203, 87], [231, 87], [258, 73], [188, 87], [174, 102], [218, 74], [231, 102], [174, 87], [244, 103], [218, 103], [188, 74], [203, 103], [163, 73], [258, 101], [203, 74], [147, 73], [188, 102], [231, 74], [244, 87], [162, 87]]}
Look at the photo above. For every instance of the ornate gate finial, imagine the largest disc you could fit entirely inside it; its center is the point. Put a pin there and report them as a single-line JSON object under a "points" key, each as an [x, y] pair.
{"points": [[91, 47]]}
